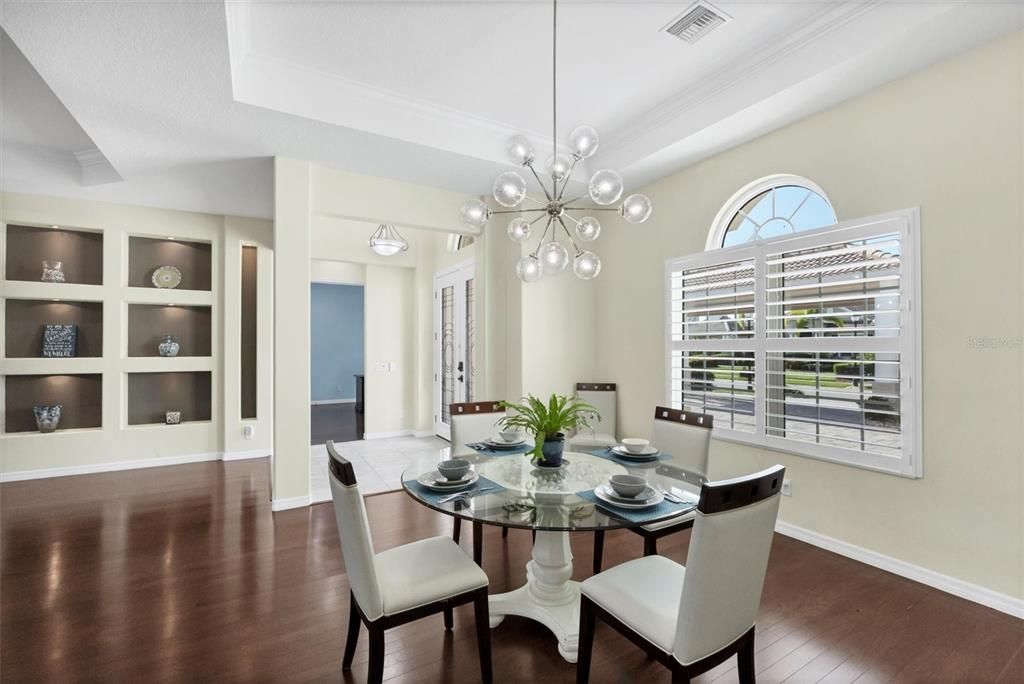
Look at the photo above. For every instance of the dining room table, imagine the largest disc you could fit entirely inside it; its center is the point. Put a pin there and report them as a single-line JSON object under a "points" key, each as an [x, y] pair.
{"points": [[509, 490]]}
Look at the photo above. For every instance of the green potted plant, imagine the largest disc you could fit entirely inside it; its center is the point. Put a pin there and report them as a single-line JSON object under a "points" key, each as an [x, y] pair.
{"points": [[548, 423]]}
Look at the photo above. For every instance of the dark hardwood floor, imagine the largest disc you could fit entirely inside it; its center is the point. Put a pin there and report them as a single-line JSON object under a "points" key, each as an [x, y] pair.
{"points": [[339, 422], [183, 574]]}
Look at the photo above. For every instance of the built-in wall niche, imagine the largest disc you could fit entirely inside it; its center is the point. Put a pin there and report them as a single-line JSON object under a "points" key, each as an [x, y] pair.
{"points": [[80, 398], [193, 259], [148, 324], [152, 395], [80, 253], [26, 321], [247, 337]]}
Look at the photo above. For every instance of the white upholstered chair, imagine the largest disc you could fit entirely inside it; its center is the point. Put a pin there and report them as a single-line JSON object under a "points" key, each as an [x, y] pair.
{"points": [[687, 437], [473, 422], [602, 396], [692, 618], [401, 584]]}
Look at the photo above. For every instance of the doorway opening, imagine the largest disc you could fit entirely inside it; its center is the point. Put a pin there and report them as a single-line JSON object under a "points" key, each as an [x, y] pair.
{"points": [[455, 372], [336, 362]]}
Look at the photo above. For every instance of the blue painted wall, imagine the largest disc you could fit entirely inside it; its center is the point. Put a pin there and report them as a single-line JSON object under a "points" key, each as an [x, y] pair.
{"points": [[336, 326]]}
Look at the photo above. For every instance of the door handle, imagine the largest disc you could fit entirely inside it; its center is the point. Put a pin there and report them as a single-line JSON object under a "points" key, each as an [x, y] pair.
{"points": [[460, 367], [461, 379]]}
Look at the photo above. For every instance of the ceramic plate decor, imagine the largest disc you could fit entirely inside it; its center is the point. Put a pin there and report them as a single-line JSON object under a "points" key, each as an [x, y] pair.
{"points": [[437, 482], [645, 455], [167, 277], [605, 493]]}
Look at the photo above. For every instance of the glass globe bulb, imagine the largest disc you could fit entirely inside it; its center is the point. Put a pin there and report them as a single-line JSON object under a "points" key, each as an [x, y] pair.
{"points": [[583, 141], [519, 229], [475, 214], [558, 166], [509, 189], [605, 187], [588, 229], [528, 269], [586, 265], [636, 208], [554, 257], [519, 150]]}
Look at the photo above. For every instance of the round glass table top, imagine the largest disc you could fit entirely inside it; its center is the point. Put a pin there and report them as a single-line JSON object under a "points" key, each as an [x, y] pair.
{"points": [[545, 499]]}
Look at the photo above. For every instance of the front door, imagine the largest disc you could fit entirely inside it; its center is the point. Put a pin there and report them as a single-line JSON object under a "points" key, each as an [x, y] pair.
{"points": [[454, 322]]}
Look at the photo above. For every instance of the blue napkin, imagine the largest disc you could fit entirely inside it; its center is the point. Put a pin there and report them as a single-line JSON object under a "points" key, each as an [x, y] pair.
{"points": [[607, 453], [431, 497], [639, 515], [482, 448]]}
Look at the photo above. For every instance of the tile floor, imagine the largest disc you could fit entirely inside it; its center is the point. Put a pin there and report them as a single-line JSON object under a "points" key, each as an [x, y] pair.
{"points": [[378, 462]]}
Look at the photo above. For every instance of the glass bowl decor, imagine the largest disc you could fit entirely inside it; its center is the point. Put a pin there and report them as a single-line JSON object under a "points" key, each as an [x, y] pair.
{"points": [[53, 271], [47, 417]]}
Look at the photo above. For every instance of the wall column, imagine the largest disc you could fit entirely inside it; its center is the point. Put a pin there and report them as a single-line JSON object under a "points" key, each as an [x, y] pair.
{"points": [[292, 198]]}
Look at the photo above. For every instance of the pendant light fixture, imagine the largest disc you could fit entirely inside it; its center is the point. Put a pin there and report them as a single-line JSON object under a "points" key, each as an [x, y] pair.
{"points": [[386, 241], [605, 189]]}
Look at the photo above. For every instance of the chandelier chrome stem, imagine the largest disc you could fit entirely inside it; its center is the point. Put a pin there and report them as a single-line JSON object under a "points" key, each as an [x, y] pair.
{"points": [[547, 194], [554, 87]]}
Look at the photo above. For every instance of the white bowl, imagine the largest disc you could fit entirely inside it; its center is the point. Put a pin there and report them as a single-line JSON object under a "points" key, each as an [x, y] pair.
{"points": [[627, 486], [635, 445], [511, 435]]}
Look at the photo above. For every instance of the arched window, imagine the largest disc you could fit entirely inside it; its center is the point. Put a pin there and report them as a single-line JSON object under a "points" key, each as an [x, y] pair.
{"points": [[769, 208]]}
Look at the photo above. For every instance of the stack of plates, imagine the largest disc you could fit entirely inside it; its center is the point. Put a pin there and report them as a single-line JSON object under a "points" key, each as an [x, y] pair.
{"points": [[649, 453], [645, 499], [439, 483], [498, 443]]}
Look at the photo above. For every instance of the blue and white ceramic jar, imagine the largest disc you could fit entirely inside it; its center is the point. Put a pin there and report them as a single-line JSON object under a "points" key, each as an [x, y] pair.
{"points": [[168, 346], [47, 417]]}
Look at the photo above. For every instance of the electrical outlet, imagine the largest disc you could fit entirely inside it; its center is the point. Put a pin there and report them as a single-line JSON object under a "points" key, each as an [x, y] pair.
{"points": [[787, 487], [249, 431]]}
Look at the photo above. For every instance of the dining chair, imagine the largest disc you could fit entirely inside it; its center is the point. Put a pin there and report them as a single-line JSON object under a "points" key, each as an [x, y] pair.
{"points": [[401, 584], [471, 422], [602, 396], [693, 617], [687, 436]]}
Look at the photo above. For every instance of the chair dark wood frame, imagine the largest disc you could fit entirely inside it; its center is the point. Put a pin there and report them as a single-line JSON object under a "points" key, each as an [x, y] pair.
{"points": [[651, 537], [342, 469], [713, 499], [478, 530]]}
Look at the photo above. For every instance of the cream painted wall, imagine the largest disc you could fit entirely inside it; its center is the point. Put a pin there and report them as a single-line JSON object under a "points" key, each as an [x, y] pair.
{"points": [[948, 139], [338, 272], [390, 322], [116, 443]]}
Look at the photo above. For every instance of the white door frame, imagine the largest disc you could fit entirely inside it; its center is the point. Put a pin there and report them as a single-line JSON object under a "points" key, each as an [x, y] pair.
{"points": [[455, 276]]}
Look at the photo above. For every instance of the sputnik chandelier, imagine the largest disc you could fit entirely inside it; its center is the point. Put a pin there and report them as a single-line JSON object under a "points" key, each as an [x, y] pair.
{"points": [[605, 189]]}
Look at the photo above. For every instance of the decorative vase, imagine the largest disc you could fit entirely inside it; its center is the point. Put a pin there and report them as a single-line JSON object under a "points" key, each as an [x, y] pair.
{"points": [[168, 346], [552, 450], [47, 417], [53, 272]]}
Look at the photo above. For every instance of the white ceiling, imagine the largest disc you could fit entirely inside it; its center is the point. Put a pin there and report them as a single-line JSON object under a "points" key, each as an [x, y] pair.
{"points": [[188, 101]]}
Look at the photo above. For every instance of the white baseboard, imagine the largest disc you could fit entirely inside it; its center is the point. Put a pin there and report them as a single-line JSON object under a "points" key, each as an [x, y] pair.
{"points": [[387, 435], [65, 471], [1004, 603], [286, 504], [243, 455], [324, 402]]}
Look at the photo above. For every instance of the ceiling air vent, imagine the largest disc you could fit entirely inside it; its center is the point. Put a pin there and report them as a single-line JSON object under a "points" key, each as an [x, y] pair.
{"points": [[696, 22]]}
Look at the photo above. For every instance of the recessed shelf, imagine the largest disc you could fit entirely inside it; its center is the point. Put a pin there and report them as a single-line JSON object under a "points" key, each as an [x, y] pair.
{"points": [[79, 251], [193, 259], [190, 326], [80, 395], [151, 395], [26, 319]]}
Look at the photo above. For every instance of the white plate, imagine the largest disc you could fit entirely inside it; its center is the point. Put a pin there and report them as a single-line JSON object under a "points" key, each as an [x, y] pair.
{"points": [[605, 493], [166, 277], [437, 482], [644, 496], [648, 452], [501, 444]]}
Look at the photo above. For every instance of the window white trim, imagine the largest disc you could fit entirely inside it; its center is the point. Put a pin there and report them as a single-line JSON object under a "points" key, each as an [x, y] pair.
{"points": [[906, 224], [716, 236]]}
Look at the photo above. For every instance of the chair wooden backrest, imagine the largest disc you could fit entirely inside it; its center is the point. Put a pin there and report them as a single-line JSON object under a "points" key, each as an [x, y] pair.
{"points": [[354, 532], [603, 397], [684, 434], [726, 562], [473, 422]]}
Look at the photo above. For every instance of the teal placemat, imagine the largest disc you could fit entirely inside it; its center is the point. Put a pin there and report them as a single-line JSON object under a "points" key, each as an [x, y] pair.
{"points": [[482, 448], [608, 454], [642, 515], [431, 497]]}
